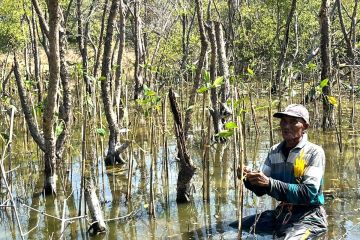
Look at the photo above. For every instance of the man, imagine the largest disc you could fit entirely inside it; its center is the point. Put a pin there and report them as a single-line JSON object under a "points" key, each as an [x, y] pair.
{"points": [[292, 174]]}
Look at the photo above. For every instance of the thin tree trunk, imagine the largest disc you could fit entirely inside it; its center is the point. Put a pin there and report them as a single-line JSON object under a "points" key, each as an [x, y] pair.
{"points": [[138, 50], [119, 67], [187, 168], [204, 46], [101, 37], [325, 49], [284, 45], [36, 57]]}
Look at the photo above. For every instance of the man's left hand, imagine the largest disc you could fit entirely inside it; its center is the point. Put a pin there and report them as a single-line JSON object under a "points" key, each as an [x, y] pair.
{"points": [[258, 178]]}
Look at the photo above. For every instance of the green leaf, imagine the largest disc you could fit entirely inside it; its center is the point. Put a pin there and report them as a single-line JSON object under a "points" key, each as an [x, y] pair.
{"points": [[101, 132], [218, 82], [230, 125], [324, 83], [206, 76], [102, 78], [225, 133], [311, 66], [59, 129], [202, 89], [190, 107], [250, 71]]}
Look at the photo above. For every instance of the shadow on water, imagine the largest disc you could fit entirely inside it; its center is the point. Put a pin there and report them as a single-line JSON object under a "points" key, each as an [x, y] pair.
{"points": [[196, 220]]}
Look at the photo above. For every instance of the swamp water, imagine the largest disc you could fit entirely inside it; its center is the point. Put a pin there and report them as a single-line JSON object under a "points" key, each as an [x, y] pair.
{"points": [[196, 220]]}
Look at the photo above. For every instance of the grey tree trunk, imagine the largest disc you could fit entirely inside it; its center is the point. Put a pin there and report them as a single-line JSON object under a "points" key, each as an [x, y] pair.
{"points": [[114, 150], [50, 101], [101, 38], [204, 46], [325, 50], [283, 49], [98, 224], [119, 68], [138, 50]]}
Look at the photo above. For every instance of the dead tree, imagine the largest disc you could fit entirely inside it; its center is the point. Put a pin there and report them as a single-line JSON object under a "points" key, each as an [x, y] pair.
{"points": [[325, 50], [187, 168], [98, 224]]}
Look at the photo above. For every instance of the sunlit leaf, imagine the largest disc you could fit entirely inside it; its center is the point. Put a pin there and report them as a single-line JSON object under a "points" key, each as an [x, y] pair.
{"points": [[250, 71], [146, 205], [332, 100], [324, 83], [206, 76], [225, 133], [101, 132], [59, 129], [230, 125], [202, 89], [218, 82]]}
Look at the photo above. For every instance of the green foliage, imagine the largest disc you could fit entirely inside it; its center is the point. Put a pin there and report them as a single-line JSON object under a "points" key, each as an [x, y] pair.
{"points": [[13, 29], [229, 130], [149, 102], [101, 132]]}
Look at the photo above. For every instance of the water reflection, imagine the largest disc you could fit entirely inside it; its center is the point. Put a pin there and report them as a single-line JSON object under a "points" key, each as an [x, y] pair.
{"points": [[196, 220]]}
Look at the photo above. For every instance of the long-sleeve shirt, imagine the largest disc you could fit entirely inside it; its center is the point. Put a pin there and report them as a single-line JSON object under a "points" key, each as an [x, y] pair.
{"points": [[283, 185]]}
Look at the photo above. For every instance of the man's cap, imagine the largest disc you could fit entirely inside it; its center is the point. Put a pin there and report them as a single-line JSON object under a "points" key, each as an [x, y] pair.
{"points": [[294, 110]]}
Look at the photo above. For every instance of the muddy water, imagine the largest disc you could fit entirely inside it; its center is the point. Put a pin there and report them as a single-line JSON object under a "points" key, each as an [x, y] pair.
{"points": [[196, 220]]}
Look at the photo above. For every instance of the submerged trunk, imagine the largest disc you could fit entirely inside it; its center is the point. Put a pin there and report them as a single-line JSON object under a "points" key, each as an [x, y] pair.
{"points": [[187, 168], [50, 102], [98, 224], [114, 150]]}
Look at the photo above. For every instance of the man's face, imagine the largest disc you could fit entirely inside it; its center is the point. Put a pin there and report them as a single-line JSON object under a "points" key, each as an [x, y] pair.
{"points": [[292, 129]]}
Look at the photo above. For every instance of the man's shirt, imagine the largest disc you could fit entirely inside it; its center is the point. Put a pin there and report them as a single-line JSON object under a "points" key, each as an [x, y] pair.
{"points": [[284, 186]]}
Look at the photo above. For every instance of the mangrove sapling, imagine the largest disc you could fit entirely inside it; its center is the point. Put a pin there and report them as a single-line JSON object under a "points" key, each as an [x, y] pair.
{"points": [[271, 132], [152, 155], [239, 174], [253, 115], [206, 162]]}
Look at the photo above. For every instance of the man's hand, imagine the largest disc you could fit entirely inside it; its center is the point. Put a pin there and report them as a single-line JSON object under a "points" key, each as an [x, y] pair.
{"points": [[240, 174], [257, 178]]}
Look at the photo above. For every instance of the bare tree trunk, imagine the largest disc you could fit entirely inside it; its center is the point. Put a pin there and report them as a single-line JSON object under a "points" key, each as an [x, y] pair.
{"points": [[33, 128], [92, 201], [101, 36], [204, 46], [82, 42], [283, 49], [36, 57], [138, 50], [119, 67], [325, 50], [113, 154], [187, 168], [50, 102]]}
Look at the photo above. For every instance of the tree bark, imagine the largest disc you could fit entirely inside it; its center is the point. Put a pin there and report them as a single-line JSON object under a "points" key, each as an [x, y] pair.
{"points": [[33, 128], [138, 50], [112, 156], [325, 50], [187, 168], [101, 38], [119, 67], [204, 46], [283, 49], [50, 101], [98, 224]]}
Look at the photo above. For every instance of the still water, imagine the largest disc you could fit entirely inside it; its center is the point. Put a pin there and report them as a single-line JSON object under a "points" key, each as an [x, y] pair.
{"points": [[196, 220]]}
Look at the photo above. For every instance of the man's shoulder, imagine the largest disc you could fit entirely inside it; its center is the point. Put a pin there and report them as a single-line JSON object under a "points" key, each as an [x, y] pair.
{"points": [[312, 147]]}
